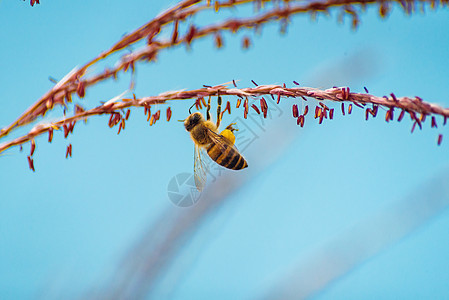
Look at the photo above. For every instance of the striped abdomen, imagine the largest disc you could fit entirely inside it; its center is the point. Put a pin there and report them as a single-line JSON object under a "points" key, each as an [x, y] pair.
{"points": [[226, 156]]}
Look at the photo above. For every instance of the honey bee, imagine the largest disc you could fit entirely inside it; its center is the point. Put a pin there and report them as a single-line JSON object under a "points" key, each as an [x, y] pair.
{"points": [[219, 146]]}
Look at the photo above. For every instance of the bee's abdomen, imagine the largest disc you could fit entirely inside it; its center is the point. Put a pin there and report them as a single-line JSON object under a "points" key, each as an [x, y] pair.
{"points": [[229, 158]]}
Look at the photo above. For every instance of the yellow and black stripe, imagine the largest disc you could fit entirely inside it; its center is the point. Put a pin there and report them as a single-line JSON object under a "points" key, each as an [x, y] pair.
{"points": [[229, 158]]}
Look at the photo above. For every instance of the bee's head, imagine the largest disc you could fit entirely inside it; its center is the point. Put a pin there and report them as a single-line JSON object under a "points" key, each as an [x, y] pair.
{"points": [[193, 120]]}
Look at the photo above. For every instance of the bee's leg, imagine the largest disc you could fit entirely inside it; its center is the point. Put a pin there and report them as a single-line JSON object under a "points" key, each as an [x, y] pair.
{"points": [[219, 111], [208, 109], [231, 128]]}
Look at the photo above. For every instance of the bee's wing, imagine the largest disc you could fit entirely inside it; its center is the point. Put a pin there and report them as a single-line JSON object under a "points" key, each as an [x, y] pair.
{"points": [[199, 169], [220, 141]]}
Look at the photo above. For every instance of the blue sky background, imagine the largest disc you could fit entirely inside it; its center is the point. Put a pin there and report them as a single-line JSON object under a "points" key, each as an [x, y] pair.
{"points": [[65, 229]]}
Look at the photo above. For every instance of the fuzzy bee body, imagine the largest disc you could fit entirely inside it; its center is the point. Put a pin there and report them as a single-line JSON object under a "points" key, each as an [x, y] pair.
{"points": [[219, 146]]}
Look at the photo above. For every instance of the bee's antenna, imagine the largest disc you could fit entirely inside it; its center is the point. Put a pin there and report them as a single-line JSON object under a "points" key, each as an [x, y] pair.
{"points": [[191, 108]]}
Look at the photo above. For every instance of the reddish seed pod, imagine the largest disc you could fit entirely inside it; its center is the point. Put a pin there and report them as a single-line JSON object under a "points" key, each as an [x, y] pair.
{"points": [[401, 115], [440, 139], [343, 108], [263, 102], [198, 104], [434, 122], [228, 107], [324, 112], [331, 113], [216, 6], [321, 119], [245, 113], [218, 41], [68, 151], [279, 98], [71, 126], [123, 124], [233, 82], [387, 115], [80, 90], [117, 118], [245, 104], [50, 135], [419, 124], [152, 120], [367, 112], [239, 101], [350, 109], [295, 111], [203, 101], [68, 96], [31, 163], [157, 115], [66, 130], [174, 36], [168, 114], [131, 65], [394, 97], [33, 146], [383, 10], [246, 42], [374, 110], [256, 108], [120, 128], [343, 93], [413, 126], [306, 110], [128, 112], [263, 105], [295, 82], [190, 34], [301, 120], [317, 111]]}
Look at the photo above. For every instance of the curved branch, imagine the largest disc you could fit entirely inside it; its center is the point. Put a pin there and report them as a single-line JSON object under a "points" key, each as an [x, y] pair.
{"points": [[62, 92], [415, 107]]}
